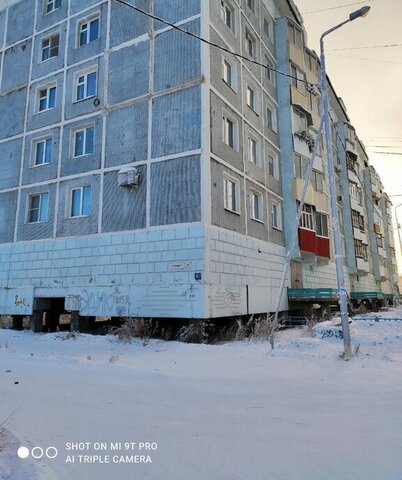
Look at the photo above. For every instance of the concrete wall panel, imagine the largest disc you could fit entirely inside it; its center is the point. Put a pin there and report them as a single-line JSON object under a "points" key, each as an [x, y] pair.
{"points": [[12, 107], [20, 55], [20, 24], [126, 23], [8, 207], [10, 161]]}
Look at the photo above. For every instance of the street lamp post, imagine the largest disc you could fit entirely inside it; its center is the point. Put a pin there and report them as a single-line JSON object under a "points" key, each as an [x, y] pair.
{"points": [[331, 178]]}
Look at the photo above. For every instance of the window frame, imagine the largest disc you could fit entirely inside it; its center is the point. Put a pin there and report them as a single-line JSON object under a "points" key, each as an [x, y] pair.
{"points": [[42, 88], [49, 39], [30, 210], [250, 44], [321, 227], [81, 206], [35, 145], [273, 124], [87, 21], [235, 198], [231, 82], [46, 4], [307, 219], [253, 150], [256, 214], [74, 132], [228, 118], [225, 8], [76, 83], [278, 224], [275, 164]]}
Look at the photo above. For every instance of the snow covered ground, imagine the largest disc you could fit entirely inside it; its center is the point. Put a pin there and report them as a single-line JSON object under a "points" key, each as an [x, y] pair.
{"points": [[236, 411]]}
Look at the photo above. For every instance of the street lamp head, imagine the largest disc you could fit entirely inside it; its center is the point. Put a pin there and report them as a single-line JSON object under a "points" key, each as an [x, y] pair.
{"points": [[362, 12]]}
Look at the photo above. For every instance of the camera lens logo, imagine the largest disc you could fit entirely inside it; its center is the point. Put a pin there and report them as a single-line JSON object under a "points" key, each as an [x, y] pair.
{"points": [[37, 452]]}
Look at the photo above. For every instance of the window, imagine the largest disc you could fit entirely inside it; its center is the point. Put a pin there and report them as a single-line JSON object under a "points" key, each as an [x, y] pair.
{"points": [[300, 121], [231, 192], [85, 86], [253, 151], [273, 165], [269, 73], [229, 74], [317, 180], [46, 98], [351, 162], [227, 14], [276, 216], [301, 165], [88, 31], [307, 218], [298, 78], [229, 132], [50, 47], [80, 202], [380, 241], [321, 222], [269, 28], [358, 220], [295, 36], [250, 4], [38, 207], [256, 206], [43, 152], [361, 249], [251, 98], [250, 44], [84, 141], [51, 5], [271, 118]]}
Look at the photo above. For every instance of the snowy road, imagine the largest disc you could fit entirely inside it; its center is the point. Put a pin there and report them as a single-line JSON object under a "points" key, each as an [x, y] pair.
{"points": [[228, 412]]}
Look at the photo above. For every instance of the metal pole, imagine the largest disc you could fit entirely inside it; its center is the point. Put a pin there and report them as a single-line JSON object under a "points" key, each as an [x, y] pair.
{"points": [[335, 219], [398, 226], [289, 253]]}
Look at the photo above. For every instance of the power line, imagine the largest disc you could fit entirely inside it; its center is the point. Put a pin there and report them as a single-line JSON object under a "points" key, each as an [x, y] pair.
{"points": [[363, 48], [335, 8], [212, 44]]}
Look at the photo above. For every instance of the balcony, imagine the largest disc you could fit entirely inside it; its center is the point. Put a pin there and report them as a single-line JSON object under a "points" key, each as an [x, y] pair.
{"points": [[312, 244], [362, 265]]}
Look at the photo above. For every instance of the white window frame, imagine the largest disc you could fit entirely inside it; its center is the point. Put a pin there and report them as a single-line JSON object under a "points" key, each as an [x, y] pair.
{"points": [[300, 122], [49, 38], [274, 117], [295, 36], [225, 8], [251, 98], [269, 73], [320, 215], [250, 44], [46, 3], [256, 215], [231, 79], [70, 204], [251, 5], [270, 23], [251, 142], [87, 21], [74, 131], [84, 73], [34, 149], [29, 209], [276, 217], [307, 218], [47, 88], [226, 116], [274, 156], [228, 195]]}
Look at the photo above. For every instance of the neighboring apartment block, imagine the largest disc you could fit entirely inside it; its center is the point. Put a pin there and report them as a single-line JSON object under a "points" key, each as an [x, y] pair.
{"points": [[145, 173]]}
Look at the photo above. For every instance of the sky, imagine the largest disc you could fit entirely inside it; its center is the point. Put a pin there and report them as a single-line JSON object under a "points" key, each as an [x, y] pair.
{"points": [[369, 79]]}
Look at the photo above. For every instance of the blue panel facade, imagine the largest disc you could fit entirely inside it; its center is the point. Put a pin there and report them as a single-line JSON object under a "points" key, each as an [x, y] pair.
{"points": [[33, 174], [10, 161], [78, 53], [127, 23], [41, 68], [20, 17], [127, 135], [12, 107], [175, 191], [39, 230], [45, 21], [8, 207], [20, 55], [176, 123], [131, 201], [74, 108], [71, 165], [177, 57], [174, 11], [36, 119], [81, 225], [129, 73]]}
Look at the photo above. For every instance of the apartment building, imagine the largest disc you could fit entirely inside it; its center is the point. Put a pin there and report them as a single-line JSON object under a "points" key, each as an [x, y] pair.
{"points": [[146, 173]]}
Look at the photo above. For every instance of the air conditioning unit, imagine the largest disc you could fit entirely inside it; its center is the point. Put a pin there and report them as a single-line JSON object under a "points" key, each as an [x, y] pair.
{"points": [[129, 177]]}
